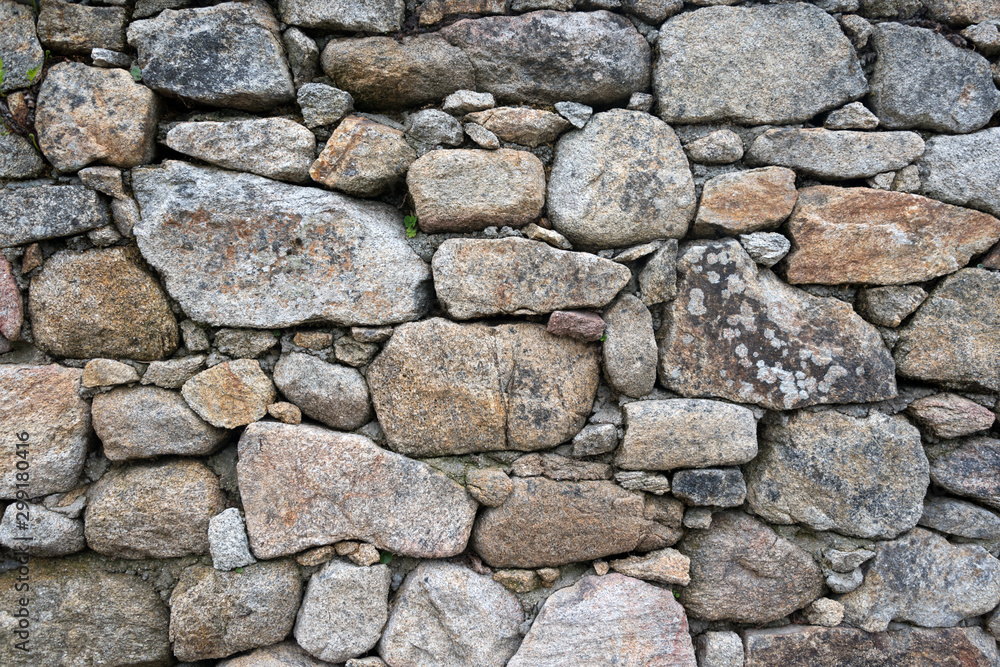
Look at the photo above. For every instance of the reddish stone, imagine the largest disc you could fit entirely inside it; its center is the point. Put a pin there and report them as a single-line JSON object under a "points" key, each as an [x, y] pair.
{"points": [[579, 324], [32, 258], [11, 313]]}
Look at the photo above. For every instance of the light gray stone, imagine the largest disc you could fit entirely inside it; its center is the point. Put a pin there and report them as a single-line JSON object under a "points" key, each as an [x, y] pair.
{"points": [[718, 487], [985, 36], [173, 373], [630, 351], [846, 561], [335, 395], [481, 136], [462, 102], [285, 654], [889, 306], [323, 105], [431, 128], [963, 169], [244, 343], [303, 58], [853, 116], [577, 114], [372, 16], [40, 212], [43, 533], [658, 279], [719, 649], [835, 155], [719, 147], [650, 482], [766, 248], [227, 541], [959, 518], [18, 158], [595, 439], [845, 582], [19, 48]]}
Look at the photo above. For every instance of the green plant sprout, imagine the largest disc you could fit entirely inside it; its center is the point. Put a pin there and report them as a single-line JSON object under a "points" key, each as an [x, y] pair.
{"points": [[3, 73], [411, 226], [385, 558], [32, 73], [34, 142], [604, 337], [136, 73]]}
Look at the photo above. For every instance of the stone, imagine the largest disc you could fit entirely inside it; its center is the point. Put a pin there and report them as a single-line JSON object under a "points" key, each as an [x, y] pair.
{"points": [[173, 373], [227, 540], [751, 66], [362, 158], [431, 128], [686, 433], [841, 357], [604, 193], [889, 306], [544, 523], [559, 468], [303, 58], [433, 11], [577, 114], [285, 412], [285, 654], [106, 180], [835, 155], [67, 27], [950, 416], [519, 581], [313, 340], [244, 343], [985, 37], [334, 395], [765, 248], [18, 158], [11, 307], [637, 252], [839, 582], [951, 338], [215, 614], [719, 649], [343, 611], [959, 518], [231, 394], [539, 58], [153, 510], [718, 487], [666, 566], [846, 561], [630, 353], [718, 147], [489, 486], [441, 388], [643, 481], [371, 334], [124, 214], [698, 518], [51, 534], [641, 101], [341, 260], [742, 571], [353, 353], [853, 116], [944, 584], [352, 489], [658, 279], [825, 612], [323, 105], [370, 16], [579, 324], [462, 102], [608, 620], [19, 47], [109, 58], [104, 236], [383, 74], [31, 260], [470, 190], [72, 605], [527, 127], [41, 409], [446, 614], [970, 471], [963, 169], [271, 147], [595, 439], [481, 136], [746, 201], [101, 303]]}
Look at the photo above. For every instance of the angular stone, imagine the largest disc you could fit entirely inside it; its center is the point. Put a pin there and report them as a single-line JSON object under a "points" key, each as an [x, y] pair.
{"points": [[579, 324], [959, 518], [489, 487], [433, 11], [608, 620], [227, 540], [970, 471], [214, 614], [481, 136], [144, 422], [303, 57], [719, 649], [11, 308], [603, 192], [323, 105], [271, 147], [527, 127], [950, 416], [40, 212], [285, 412], [48, 533], [921, 80], [658, 279], [332, 394], [595, 439], [630, 347], [244, 343], [723, 63], [963, 169], [718, 487], [469, 190], [441, 388], [719, 147], [860, 477], [285, 654], [232, 394], [836, 155], [352, 489], [67, 27], [446, 614], [513, 276], [18, 158], [667, 566], [106, 180], [383, 74], [153, 510], [559, 468], [577, 114], [742, 571], [746, 201], [173, 373], [431, 128], [766, 248], [353, 353], [19, 47], [462, 102], [853, 116], [340, 260], [362, 158], [943, 583], [889, 306], [367, 16], [546, 57], [226, 55]]}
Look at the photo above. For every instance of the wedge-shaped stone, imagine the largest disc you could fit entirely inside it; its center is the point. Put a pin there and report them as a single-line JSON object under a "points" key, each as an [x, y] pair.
{"points": [[351, 489], [836, 155], [309, 255], [971, 471], [443, 388], [40, 212], [875, 237], [362, 158], [527, 127], [738, 332]]}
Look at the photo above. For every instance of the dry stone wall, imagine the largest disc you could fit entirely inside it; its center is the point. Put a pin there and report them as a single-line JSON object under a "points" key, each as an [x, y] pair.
{"points": [[472, 333]]}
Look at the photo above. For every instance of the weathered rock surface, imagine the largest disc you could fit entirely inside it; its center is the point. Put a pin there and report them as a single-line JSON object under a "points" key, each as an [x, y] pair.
{"points": [[658, 279], [950, 416], [67, 27], [718, 487], [582, 325], [527, 127], [666, 566], [362, 158], [853, 116], [231, 394], [432, 128], [719, 648], [18, 158], [746, 201], [173, 373], [40, 212], [352, 489], [959, 518], [606, 621], [40, 531], [335, 395], [106, 372], [339, 259], [751, 65], [595, 439], [970, 471], [836, 155], [766, 248], [889, 306], [719, 147], [630, 347], [559, 467], [322, 104], [244, 343], [445, 388], [11, 305], [285, 654], [369, 16], [489, 486], [963, 169], [19, 47], [623, 180], [227, 541]]}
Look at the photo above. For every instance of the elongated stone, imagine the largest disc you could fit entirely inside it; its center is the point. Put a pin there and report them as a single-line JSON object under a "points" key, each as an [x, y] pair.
{"points": [[746, 201], [970, 471], [40, 212]]}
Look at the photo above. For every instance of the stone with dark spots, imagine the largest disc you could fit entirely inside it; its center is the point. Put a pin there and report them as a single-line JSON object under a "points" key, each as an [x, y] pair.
{"points": [[718, 487], [559, 468], [959, 518], [231, 394], [11, 306], [889, 306], [40, 212], [362, 158], [963, 169], [950, 416], [333, 394], [67, 27], [19, 47], [343, 15], [971, 471], [836, 155]]}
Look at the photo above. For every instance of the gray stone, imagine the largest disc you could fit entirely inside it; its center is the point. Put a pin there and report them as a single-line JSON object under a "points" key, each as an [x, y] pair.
{"points": [[950, 416], [431, 128], [42, 533], [641, 101], [844, 582], [766, 248], [285, 654], [462, 102], [173, 373], [889, 306], [630, 347], [635, 480], [332, 394], [963, 169], [19, 48], [369, 16], [970, 471], [559, 468], [577, 114], [853, 116], [40, 212], [481, 136], [527, 127], [719, 649], [11, 304], [658, 279], [362, 158], [244, 343], [985, 37], [323, 105], [303, 58], [718, 487], [227, 541], [922, 80], [846, 561], [836, 155], [719, 147], [340, 260], [18, 158], [604, 193], [595, 439], [959, 518], [746, 201], [106, 180], [67, 27], [107, 373], [751, 65]]}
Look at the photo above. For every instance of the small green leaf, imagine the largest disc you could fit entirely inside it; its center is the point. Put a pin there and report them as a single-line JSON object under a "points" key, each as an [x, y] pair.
{"points": [[2, 72], [34, 143], [239, 570], [32, 73], [136, 73], [604, 337], [677, 595], [385, 558], [410, 222]]}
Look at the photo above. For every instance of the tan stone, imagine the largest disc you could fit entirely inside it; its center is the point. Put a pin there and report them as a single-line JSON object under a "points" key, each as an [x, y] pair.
{"points": [[559, 468], [519, 125], [666, 566], [519, 581], [490, 486], [362, 158], [950, 416], [319, 555], [11, 306], [234, 393], [433, 11], [285, 412], [314, 340], [108, 372], [746, 201]]}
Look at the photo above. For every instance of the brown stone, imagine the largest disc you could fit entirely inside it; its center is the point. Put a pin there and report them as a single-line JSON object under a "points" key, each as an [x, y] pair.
{"points": [[234, 393], [67, 27], [285, 412], [362, 158], [863, 235], [889, 306], [433, 11], [11, 310], [32, 259], [950, 416], [489, 486], [666, 566], [519, 125], [971, 471], [580, 324], [107, 373], [314, 340], [559, 468], [746, 201]]}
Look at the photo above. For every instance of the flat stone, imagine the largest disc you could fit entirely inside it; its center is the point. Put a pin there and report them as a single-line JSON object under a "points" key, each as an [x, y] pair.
{"points": [[227, 540], [67, 27], [543, 523], [383, 74], [244, 343], [718, 343], [635, 480], [751, 66], [18, 157], [101, 303], [481, 136], [11, 307], [353, 353], [959, 518], [153, 510], [109, 58], [513, 276], [606, 621], [686, 433], [746, 201], [836, 154], [658, 279], [40, 212], [862, 235], [332, 394], [864, 477], [766, 248], [341, 260], [313, 340], [232, 394], [43, 533], [604, 193], [215, 614], [106, 180], [963, 169], [285, 654], [323, 105], [944, 583], [362, 158], [630, 351], [846, 561], [921, 80], [595, 439], [577, 114], [539, 57], [19, 47], [719, 649], [889, 306], [666, 566], [462, 102], [226, 55], [433, 11], [580, 324], [717, 487], [431, 128], [970, 471], [368, 16], [271, 147], [446, 614], [559, 468], [719, 147], [527, 127], [489, 486], [173, 373], [776, 579], [343, 611], [469, 190], [352, 489], [145, 422], [950, 416], [519, 581], [441, 388], [853, 116]]}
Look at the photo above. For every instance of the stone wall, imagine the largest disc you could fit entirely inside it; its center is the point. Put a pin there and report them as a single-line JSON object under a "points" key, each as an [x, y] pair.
{"points": [[499, 332]]}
